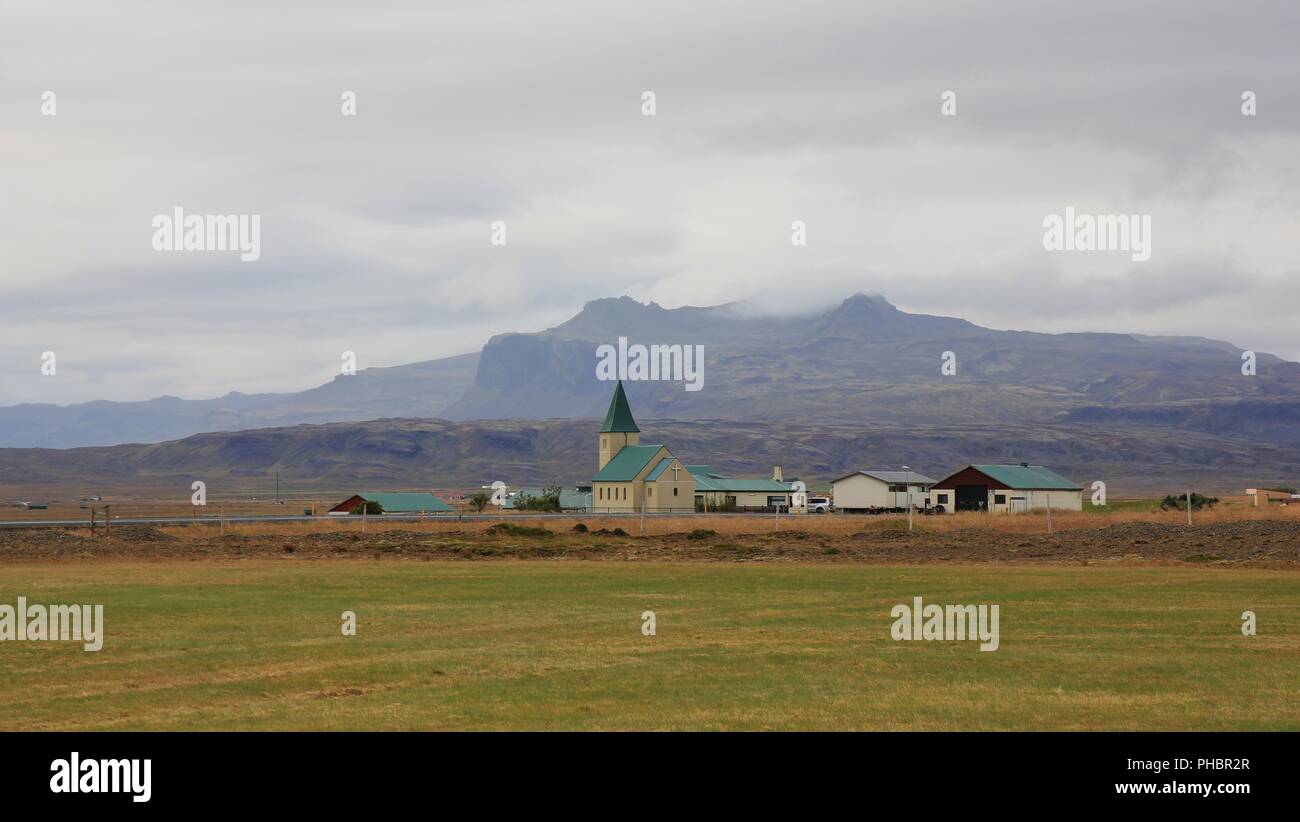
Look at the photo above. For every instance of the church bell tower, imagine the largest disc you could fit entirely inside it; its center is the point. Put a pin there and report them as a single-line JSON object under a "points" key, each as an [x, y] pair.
{"points": [[619, 429]]}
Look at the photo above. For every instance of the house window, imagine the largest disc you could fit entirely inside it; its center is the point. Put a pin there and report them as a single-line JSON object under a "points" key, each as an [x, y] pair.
{"points": [[943, 499], [674, 492], [999, 499], [604, 442], [649, 491]]}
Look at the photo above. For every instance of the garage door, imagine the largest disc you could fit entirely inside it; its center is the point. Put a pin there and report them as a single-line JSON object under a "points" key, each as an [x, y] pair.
{"points": [[972, 497]]}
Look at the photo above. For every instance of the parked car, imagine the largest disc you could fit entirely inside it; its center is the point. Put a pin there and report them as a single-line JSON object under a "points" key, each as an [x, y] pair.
{"points": [[820, 505]]}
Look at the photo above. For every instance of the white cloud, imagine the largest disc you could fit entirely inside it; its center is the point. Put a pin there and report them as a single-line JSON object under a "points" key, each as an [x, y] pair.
{"points": [[375, 228]]}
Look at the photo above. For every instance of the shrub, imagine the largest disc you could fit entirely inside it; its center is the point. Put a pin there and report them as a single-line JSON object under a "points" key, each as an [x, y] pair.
{"points": [[702, 533], [548, 501], [480, 501], [368, 507], [1178, 502], [510, 529]]}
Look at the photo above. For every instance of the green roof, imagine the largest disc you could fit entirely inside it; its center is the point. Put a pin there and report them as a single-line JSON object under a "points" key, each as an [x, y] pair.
{"points": [[627, 463], [1028, 477], [618, 419], [706, 479], [706, 470], [405, 503]]}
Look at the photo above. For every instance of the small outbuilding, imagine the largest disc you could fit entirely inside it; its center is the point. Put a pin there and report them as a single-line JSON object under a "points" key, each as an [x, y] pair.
{"points": [[394, 503], [1006, 489], [1264, 497]]}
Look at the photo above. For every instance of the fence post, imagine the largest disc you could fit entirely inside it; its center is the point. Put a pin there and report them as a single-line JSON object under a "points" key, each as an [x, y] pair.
{"points": [[1189, 508]]}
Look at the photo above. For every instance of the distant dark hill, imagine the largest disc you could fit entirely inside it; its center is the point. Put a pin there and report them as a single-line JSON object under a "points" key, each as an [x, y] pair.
{"points": [[424, 389], [406, 453]]}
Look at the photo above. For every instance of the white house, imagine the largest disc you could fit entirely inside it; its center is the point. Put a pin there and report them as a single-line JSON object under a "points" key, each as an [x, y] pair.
{"points": [[875, 489]]}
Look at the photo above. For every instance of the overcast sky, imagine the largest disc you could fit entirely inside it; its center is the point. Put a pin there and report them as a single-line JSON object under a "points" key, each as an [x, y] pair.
{"points": [[376, 228]]}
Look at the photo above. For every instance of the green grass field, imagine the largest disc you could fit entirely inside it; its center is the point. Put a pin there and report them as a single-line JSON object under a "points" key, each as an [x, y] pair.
{"points": [[538, 645]]}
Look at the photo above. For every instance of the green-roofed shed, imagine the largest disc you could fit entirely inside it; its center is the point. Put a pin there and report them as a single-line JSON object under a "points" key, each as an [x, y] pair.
{"points": [[394, 503]]}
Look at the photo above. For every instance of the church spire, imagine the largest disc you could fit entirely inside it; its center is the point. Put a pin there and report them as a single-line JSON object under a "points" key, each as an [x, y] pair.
{"points": [[618, 419]]}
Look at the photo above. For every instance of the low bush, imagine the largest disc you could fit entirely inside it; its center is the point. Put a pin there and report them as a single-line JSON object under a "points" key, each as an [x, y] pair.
{"points": [[511, 530]]}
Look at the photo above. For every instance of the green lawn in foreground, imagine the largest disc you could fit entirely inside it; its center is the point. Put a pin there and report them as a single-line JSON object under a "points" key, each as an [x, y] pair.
{"points": [[557, 645]]}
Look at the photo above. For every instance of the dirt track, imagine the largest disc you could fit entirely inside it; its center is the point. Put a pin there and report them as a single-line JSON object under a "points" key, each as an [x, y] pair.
{"points": [[1257, 543]]}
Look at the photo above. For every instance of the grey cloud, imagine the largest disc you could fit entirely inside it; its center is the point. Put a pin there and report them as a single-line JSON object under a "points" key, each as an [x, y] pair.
{"points": [[375, 228]]}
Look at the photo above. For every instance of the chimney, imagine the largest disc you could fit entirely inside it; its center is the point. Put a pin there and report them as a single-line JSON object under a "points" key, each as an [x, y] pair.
{"points": [[776, 473]]}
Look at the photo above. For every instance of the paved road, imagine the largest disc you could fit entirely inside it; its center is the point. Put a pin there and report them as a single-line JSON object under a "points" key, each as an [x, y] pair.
{"points": [[213, 519]]}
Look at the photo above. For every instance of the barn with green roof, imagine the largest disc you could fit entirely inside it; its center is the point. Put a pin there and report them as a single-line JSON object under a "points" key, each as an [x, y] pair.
{"points": [[1006, 489]]}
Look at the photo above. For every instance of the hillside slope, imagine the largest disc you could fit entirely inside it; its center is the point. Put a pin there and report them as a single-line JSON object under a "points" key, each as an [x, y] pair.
{"points": [[406, 453]]}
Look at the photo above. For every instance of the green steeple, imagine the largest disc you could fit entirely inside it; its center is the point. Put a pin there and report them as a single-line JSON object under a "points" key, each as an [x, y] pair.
{"points": [[618, 419]]}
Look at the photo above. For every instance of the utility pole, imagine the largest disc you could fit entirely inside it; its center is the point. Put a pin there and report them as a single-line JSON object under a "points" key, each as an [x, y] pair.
{"points": [[1049, 512], [907, 484]]}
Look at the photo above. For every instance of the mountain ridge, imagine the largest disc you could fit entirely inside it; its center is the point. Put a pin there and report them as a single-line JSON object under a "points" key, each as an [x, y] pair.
{"points": [[862, 360]]}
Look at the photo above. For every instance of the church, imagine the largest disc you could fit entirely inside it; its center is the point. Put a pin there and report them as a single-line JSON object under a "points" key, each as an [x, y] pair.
{"points": [[635, 477]]}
